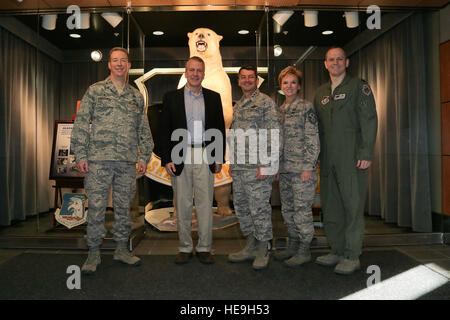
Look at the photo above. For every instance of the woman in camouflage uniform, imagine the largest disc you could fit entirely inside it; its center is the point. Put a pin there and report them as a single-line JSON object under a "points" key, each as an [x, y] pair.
{"points": [[298, 176]]}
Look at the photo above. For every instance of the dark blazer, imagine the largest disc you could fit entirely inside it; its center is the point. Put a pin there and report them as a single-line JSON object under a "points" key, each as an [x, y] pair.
{"points": [[174, 117]]}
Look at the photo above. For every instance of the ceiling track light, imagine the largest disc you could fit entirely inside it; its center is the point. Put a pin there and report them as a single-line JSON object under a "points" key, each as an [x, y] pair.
{"points": [[113, 18], [311, 18], [276, 27], [49, 21], [84, 20], [282, 16], [351, 19]]}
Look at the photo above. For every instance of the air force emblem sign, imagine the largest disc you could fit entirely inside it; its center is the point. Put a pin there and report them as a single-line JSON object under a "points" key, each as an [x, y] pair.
{"points": [[72, 212]]}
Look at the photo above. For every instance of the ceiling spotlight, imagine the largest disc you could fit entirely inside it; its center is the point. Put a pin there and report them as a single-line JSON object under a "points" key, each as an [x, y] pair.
{"points": [[276, 27], [158, 33], [243, 31], [277, 50], [75, 35], [352, 19], [49, 21], [311, 18], [96, 55], [327, 32], [113, 18], [84, 20], [282, 16]]}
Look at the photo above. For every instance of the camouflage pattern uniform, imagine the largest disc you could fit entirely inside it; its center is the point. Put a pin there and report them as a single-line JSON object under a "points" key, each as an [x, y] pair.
{"points": [[119, 128], [251, 197], [300, 151]]}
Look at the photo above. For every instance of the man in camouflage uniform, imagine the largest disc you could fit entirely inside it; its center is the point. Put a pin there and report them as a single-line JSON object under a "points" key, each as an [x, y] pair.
{"points": [[108, 151], [252, 178], [298, 177], [348, 128]]}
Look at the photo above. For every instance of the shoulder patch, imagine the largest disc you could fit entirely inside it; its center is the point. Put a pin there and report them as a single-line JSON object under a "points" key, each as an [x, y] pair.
{"points": [[311, 116], [325, 100], [366, 89]]}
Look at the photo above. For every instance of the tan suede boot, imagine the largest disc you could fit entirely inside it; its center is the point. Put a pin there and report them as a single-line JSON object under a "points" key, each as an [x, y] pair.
{"points": [[92, 261], [262, 255], [248, 253], [123, 255]]}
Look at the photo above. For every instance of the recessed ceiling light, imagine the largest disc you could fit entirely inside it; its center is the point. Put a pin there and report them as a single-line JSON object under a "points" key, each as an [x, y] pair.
{"points": [[243, 32], [75, 35], [328, 32], [158, 33]]}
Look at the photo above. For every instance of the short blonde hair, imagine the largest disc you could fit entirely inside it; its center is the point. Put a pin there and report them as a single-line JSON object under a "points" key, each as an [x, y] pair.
{"points": [[290, 70], [196, 58]]}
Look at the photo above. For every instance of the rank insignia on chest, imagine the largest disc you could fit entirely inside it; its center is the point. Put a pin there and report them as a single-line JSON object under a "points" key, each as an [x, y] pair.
{"points": [[339, 96], [325, 100]]}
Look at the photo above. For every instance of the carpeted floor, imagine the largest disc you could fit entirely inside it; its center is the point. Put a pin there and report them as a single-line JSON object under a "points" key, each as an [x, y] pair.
{"points": [[44, 276]]}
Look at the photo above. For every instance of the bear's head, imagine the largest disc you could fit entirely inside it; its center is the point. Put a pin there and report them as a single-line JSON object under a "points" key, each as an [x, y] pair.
{"points": [[204, 43]]}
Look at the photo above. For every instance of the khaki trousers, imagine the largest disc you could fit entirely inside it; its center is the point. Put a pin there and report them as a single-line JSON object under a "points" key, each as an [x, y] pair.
{"points": [[196, 180]]}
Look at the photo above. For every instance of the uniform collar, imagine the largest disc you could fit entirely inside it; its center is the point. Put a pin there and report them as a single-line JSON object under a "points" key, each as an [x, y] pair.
{"points": [[344, 81], [112, 87], [284, 106], [254, 95]]}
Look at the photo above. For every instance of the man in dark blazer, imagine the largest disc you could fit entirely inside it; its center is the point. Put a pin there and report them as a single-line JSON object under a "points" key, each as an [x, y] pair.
{"points": [[193, 149]]}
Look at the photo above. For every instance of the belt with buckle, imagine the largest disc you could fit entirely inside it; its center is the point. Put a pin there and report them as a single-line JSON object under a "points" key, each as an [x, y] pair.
{"points": [[198, 145]]}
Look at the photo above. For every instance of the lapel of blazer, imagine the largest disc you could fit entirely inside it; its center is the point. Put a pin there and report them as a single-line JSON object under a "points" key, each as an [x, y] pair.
{"points": [[206, 98], [179, 106]]}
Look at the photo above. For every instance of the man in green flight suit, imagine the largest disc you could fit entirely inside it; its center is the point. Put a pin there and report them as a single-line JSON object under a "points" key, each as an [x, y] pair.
{"points": [[348, 129]]}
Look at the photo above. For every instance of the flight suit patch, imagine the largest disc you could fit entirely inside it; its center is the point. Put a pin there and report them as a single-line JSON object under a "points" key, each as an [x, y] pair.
{"points": [[366, 90], [339, 96]]}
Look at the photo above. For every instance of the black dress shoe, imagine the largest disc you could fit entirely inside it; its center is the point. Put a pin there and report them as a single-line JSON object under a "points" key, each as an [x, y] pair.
{"points": [[205, 257], [183, 257]]}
